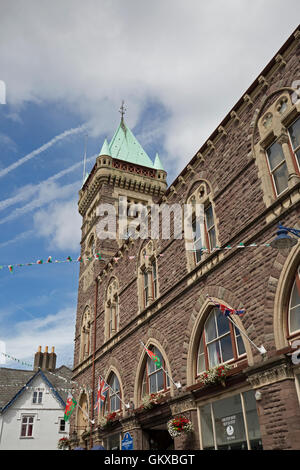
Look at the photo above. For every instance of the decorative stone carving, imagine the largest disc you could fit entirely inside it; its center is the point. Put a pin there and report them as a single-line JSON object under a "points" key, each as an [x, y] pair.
{"points": [[182, 406], [270, 376]]}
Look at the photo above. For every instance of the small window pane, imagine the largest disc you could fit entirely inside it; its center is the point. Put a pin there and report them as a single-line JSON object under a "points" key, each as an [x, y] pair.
{"points": [[275, 155], [210, 328], [226, 348], [294, 131], [152, 383], [239, 342], [160, 380], [212, 238], [295, 319], [222, 323], [209, 217], [214, 354], [281, 178]]}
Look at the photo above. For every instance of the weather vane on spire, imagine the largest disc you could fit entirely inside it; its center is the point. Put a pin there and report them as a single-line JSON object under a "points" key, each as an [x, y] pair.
{"points": [[122, 110]]}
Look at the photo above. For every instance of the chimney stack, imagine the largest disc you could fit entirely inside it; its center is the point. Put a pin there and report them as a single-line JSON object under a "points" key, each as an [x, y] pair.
{"points": [[44, 360]]}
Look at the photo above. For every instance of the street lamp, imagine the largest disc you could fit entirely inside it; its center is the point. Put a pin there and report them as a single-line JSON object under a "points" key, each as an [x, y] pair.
{"points": [[283, 240]]}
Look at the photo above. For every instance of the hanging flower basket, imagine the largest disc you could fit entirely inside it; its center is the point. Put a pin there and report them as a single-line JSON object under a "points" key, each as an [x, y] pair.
{"points": [[179, 426], [215, 375], [63, 443], [149, 401]]}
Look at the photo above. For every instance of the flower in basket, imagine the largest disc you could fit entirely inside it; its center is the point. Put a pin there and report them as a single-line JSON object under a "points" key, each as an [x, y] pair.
{"points": [[63, 443], [215, 375], [108, 419], [151, 400], [180, 425]]}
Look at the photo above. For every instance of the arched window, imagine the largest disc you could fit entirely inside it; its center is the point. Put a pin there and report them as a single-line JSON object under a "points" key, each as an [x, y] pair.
{"points": [[202, 223], [85, 334], [220, 342], [294, 306], [148, 276], [112, 400], [154, 378], [112, 315]]}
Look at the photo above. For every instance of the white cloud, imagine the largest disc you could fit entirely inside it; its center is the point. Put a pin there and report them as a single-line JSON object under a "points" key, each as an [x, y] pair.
{"points": [[51, 330], [47, 193], [195, 59], [60, 224]]}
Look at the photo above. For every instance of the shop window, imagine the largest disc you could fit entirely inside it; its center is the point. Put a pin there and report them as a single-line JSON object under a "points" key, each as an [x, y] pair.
{"points": [[112, 400], [294, 306], [220, 342], [231, 424], [154, 378]]}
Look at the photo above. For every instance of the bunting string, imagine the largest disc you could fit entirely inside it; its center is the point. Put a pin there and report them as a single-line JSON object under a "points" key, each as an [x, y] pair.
{"points": [[99, 256]]}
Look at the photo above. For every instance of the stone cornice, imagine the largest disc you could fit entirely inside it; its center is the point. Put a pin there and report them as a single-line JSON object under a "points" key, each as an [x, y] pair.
{"points": [[269, 372]]}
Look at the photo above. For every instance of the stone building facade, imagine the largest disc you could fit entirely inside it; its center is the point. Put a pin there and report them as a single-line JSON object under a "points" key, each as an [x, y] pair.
{"points": [[156, 292]]}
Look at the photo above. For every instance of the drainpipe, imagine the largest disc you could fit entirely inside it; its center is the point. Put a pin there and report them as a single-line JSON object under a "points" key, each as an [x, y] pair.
{"points": [[93, 365]]}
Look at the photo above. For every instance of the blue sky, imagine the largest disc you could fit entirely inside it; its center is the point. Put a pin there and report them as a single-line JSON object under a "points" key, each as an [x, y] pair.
{"points": [[70, 64]]}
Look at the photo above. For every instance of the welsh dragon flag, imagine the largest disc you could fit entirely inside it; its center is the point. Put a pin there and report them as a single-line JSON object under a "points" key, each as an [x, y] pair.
{"points": [[70, 405], [154, 358]]}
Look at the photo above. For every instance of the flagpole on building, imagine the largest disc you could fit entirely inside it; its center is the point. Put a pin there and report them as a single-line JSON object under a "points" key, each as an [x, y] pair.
{"points": [[178, 384], [261, 349], [127, 405]]}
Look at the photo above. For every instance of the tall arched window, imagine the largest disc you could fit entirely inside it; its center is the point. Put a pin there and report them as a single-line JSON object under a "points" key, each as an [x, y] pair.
{"points": [[112, 315], [148, 276], [203, 224], [294, 306], [112, 400], [154, 378], [220, 342], [85, 334]]}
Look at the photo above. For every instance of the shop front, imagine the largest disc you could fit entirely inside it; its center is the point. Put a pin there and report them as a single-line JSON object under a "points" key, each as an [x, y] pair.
{"points": [[230, 423]]}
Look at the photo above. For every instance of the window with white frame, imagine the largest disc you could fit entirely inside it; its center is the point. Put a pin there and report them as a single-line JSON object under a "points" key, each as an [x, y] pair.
{"points": [[155, 378], [294, 134], [220, 342], [112, 400], [62, 425], [37, 397], [277, 167], [27, 426]]}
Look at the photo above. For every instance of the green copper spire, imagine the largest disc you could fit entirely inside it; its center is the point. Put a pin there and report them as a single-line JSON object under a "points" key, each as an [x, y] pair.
{"points": [[124, 146], [105, 149], [158, 164]]}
